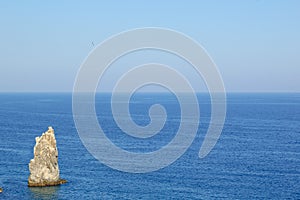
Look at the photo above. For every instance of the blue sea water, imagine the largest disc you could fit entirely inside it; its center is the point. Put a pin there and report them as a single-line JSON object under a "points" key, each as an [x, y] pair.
{"points": [[256, 157]]}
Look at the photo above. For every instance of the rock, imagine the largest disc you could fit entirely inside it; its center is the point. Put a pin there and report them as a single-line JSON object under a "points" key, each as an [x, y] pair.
{"points": [[44, 170], [1, 190]]}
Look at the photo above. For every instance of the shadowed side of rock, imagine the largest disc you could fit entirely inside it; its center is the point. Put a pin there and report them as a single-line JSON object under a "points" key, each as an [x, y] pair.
{"points": [[44, 170]]}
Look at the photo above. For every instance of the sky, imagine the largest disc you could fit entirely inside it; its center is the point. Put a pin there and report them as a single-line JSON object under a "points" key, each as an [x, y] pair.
{"points": [[255, 44]]}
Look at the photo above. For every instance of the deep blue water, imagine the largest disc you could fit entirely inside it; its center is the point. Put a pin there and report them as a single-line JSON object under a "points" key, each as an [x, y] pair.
{"points": [[256, 157]]}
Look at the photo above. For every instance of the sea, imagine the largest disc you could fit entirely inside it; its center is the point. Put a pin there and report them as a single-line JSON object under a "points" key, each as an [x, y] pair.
{"points": [[256, 157]]}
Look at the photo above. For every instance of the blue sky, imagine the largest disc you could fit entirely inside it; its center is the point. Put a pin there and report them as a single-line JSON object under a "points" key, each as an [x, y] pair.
{"points": [[255, 44]]}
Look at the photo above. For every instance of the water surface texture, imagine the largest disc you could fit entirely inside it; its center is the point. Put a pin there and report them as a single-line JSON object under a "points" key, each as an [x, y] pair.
{"points": [[256, 157]]}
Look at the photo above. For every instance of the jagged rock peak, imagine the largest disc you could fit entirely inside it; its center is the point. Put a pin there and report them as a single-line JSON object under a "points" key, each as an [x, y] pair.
{"points": [[44, 169]]}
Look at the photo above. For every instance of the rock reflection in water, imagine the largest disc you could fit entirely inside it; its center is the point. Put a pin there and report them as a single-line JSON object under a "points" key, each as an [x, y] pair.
{"points": [[44, 192]]}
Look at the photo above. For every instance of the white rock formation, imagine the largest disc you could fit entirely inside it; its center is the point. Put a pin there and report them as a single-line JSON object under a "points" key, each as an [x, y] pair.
{"points": [[44, 170]]}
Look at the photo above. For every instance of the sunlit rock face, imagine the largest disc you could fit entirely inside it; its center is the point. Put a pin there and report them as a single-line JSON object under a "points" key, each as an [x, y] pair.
{"points": [[44, 170]]}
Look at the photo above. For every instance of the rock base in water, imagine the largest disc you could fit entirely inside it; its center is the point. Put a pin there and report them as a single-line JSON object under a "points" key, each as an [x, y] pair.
{"points": [[34, 184]]}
